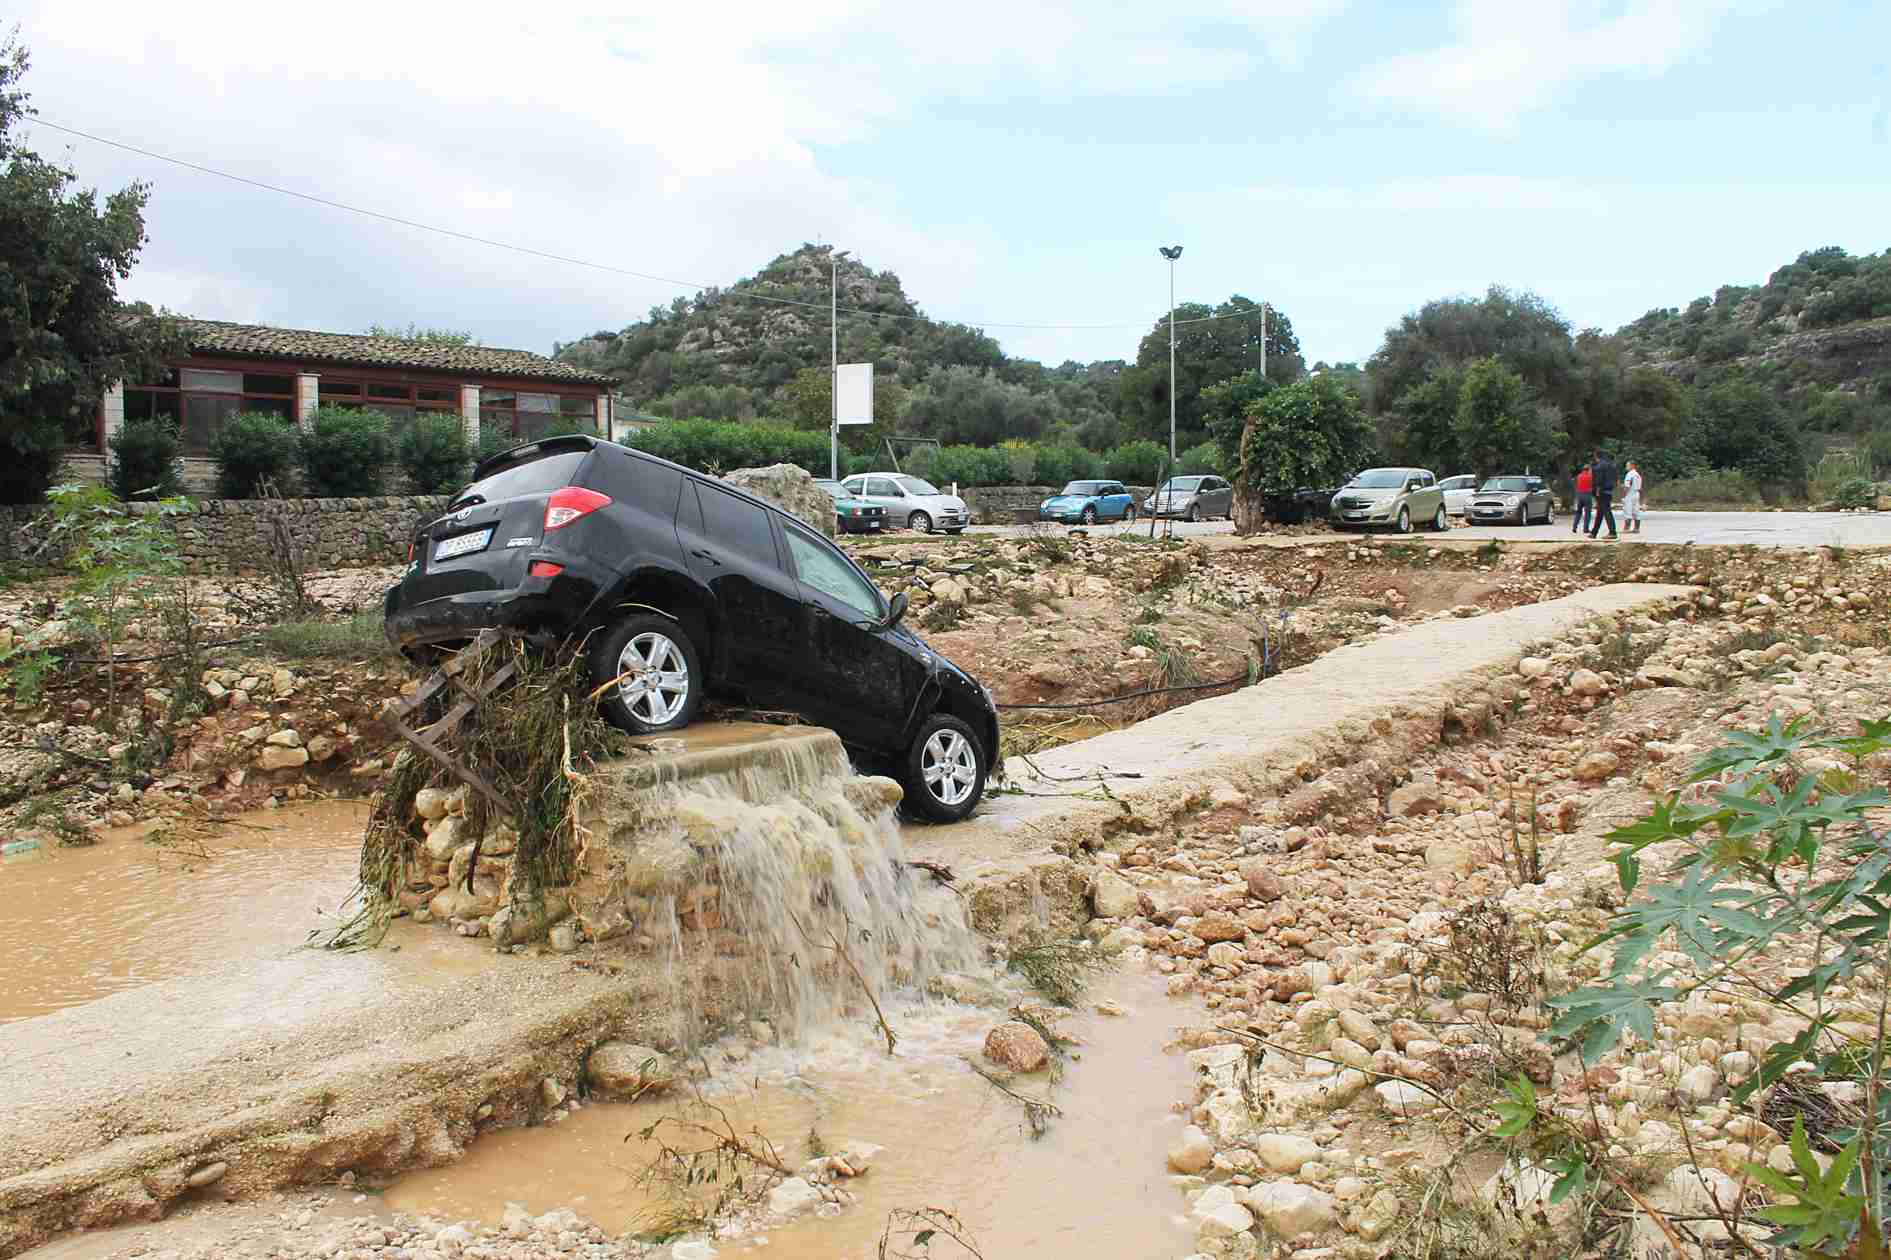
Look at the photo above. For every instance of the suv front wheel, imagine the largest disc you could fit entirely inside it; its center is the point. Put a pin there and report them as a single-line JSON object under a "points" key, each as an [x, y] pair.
{"points": [[944, 770], [653, 673]]}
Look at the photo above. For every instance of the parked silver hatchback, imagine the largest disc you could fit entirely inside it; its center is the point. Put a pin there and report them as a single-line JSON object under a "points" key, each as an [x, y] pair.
{"points": [[911, 502]]}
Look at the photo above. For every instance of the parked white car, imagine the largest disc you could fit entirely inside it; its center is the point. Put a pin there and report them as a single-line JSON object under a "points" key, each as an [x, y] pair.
{"points": [[910, 501], [1459, 491]]}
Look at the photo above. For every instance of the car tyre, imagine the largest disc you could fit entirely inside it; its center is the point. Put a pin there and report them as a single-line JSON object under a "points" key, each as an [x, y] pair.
{"points": [[1090, 516], [1129, 515], [1440, 523], [1549, 514], [658, 643], [1192, 515], [919, 522], [1404, 525], [944, 772]]}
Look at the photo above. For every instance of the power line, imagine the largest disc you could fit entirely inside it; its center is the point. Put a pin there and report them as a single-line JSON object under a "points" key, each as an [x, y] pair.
{"points": [[569, 260]]}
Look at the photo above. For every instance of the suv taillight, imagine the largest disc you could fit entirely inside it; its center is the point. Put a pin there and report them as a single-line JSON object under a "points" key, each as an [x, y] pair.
{"points": [[568, 504]]}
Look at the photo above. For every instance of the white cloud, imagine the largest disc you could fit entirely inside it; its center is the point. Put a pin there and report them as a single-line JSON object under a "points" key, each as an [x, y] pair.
{"points": [[1511, 56], [683, 140]]}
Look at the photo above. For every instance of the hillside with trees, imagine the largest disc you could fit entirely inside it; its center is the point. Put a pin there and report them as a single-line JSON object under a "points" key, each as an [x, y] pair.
{"points": [[1772, 390]]}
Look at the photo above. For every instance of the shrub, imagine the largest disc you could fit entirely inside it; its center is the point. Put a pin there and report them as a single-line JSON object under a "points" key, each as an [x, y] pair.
{"points": [[147, 461], [1205, 458], [1020, 461], [1058, 464], [1139, 463], [978, 466], [434, 454], [1717, 488], [722, 446], [344, 452], [251, 448], [30, 453], [1857, 493]]}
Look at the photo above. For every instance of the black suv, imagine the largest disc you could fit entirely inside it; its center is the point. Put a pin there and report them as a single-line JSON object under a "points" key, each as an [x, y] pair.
{"points": [[680, 586]]}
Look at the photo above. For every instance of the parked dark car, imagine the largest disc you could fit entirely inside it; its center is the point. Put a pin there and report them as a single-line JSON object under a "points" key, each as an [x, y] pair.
{"points": [[680, 587], [1298, 506], [851, 515]]}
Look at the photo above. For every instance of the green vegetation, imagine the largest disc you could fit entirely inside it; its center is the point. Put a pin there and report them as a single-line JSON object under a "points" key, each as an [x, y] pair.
{"points": [[425, 336], [362, 637], [147, 461], [252, 449], [344, 452], [1310, 433], [64, 336], [435, 455]]}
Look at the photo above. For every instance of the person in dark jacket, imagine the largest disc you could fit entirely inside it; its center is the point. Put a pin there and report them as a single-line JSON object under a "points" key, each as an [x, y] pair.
{"points": [[1604, 472]]}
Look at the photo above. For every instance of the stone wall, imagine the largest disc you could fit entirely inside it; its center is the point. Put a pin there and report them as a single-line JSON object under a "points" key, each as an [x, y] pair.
{"points": [[993, 505], [232, 535]]}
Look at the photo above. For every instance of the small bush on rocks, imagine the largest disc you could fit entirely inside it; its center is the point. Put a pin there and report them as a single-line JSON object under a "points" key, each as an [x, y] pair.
{"points": [[147, 461], [252, 448], [344, 452], [435, 455], [1857, 493]]}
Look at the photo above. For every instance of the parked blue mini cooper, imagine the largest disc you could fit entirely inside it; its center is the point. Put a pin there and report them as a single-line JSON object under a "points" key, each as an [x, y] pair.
{"points": [[1087, 502]]}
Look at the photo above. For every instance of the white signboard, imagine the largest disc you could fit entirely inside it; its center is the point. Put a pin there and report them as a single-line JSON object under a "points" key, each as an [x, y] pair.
{"points": [[853, 393]]}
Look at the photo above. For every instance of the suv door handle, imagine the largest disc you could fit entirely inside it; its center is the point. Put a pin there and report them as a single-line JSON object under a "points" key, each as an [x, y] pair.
{"points": [[708, 557]]}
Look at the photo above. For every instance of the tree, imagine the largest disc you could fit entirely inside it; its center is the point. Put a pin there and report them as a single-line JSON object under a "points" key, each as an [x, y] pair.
{"points": [[972, 406], [1499, 426], [1212, 344], [1225, 411], [1741, 425], [1310, 433], [1422, 427], [1521, 329], [425, 336], [64, 336]]}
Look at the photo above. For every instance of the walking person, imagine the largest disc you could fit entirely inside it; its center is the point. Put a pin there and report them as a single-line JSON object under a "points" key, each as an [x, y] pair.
{"points": [[1603, 479], [1631, 499], [1585, 500]]}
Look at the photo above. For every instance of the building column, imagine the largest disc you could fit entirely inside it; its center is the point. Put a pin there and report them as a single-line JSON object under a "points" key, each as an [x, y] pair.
{"points": [[111, 415], [469, 413], [604, 418], [308, 396]]}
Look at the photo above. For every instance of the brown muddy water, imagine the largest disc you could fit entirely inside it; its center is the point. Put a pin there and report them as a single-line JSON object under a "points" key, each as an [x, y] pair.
{"points": [[85, 923], [1095, 1186]]}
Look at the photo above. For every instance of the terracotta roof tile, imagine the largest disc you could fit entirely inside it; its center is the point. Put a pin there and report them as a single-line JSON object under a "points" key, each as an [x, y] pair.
{"points": [[209, 336]]}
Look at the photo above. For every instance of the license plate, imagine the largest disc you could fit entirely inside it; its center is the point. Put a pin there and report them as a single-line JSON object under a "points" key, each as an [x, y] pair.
{"points": [[463, 544]]}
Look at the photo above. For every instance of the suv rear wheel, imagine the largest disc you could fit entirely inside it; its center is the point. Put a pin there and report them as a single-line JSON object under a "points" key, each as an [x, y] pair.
{"points": [[657, 671], [919, 522], [945, 770]]}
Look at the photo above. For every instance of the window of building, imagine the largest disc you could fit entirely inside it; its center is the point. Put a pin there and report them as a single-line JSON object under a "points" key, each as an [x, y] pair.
{"points": [[527, 414], [400, 401], [198, 400]]}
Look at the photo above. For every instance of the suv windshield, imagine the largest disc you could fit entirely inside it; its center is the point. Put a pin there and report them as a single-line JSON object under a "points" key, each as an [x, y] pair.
{"points": [[534, 476], [913, 485], [1506, 485], [1084, 487], [1381, 479]]}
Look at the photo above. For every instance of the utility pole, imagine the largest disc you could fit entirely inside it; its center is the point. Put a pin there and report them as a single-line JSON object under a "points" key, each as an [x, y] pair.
{"points": [[833, 366], [1263, 343], [1171, 252]]}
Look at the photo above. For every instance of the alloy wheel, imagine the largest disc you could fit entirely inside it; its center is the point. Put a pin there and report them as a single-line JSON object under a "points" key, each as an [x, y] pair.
{"points": [[949, 767], [657, 686]]}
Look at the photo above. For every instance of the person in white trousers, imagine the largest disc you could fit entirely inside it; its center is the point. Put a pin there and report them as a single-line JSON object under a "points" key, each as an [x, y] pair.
{"points": [[1631, 499]]}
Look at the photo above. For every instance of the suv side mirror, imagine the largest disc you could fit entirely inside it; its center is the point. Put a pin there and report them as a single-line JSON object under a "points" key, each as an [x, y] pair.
{"points": [[895, 610]]}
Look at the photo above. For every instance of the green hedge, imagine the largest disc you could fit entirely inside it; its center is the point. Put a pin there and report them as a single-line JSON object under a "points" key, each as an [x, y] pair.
{"points": [[250, 448], [147, 461], [344, 453], [721, 446]]}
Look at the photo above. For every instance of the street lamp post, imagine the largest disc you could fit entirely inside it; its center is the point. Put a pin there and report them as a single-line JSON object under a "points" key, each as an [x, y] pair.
{"points": [[833, 379], [1171, 252]]}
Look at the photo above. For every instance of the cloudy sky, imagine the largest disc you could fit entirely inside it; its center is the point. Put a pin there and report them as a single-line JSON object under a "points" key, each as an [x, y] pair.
{"points": [[1016, 163]]}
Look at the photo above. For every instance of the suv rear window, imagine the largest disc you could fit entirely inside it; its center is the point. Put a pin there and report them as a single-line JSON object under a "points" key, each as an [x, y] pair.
{"points": [[535, 476]]}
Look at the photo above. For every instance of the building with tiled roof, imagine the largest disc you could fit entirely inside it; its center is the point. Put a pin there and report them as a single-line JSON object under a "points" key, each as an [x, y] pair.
{"points": [[289, 372]]}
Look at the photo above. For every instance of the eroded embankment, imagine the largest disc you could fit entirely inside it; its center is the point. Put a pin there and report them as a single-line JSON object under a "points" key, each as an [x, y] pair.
{"points": [[303, 1068]]}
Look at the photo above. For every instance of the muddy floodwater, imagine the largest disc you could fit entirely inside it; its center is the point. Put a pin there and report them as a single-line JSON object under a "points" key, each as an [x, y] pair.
{"points": [[1094, 1187], [84, 923]]}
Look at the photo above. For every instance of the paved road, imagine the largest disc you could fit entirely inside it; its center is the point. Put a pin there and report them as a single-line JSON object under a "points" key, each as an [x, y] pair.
{"points": [[1767, 529]]}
